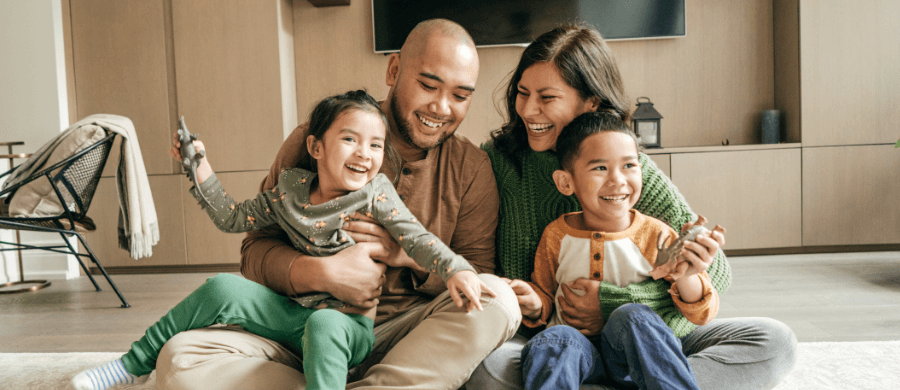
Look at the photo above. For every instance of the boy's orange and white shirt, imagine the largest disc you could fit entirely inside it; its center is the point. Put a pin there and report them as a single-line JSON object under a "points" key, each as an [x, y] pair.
{"points": [[566, 254]]}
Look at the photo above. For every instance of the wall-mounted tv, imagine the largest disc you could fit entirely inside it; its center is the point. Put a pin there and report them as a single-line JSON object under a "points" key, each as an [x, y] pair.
{"points": [[518, 22]]}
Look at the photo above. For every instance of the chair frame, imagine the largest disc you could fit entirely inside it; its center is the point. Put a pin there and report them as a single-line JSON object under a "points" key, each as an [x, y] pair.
{"points": [[56, 174]]}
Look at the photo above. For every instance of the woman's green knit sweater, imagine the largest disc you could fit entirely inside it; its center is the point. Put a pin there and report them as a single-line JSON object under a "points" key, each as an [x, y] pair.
{"points": [[529, 201]]}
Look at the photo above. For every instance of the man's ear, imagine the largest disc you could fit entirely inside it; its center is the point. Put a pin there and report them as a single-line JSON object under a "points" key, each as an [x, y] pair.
{"points": [[393, 69], [563, 180], [314, 147]]}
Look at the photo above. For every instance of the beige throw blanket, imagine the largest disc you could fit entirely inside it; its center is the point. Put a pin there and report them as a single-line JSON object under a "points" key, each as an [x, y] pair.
{"points": [[138, 226]]}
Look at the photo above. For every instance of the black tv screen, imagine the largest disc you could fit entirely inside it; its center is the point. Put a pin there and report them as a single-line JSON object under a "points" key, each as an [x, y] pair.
{"points": [[518, 22]]}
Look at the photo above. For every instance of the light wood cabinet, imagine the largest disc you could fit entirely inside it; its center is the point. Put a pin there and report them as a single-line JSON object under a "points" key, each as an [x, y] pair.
{"points": [[227, 67], [119, 67], [170, 250], [206, 244], [754, 194], [850, 195]]}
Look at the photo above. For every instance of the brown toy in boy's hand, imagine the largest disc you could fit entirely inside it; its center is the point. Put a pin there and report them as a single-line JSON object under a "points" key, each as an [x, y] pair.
{"points": [[665, 257]]}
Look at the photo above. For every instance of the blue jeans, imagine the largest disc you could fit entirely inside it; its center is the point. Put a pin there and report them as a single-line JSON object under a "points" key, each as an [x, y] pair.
{"points": [[635, 349]]}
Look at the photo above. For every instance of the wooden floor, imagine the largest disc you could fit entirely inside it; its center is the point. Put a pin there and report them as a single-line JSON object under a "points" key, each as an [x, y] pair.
{"points": [[830, 297]]}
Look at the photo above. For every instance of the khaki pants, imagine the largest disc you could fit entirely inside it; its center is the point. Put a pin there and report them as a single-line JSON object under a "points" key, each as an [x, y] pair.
{"points": [[434, 346]]}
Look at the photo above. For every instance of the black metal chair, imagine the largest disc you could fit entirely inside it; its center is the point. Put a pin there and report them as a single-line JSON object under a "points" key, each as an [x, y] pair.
{"points": [[77, 177]]}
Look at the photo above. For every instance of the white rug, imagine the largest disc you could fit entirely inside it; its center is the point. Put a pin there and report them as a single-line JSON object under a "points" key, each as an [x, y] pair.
{"points": [[870, 365]]}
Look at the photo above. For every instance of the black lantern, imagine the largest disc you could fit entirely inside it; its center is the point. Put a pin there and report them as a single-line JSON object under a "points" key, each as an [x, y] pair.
{"points": [[646, 123]]}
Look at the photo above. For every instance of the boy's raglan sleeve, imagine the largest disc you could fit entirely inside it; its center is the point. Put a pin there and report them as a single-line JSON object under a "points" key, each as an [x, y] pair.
{"points": [[702, 311], [421, 245], [267, 254], [230, 216], [660, 199], [543, 279]]}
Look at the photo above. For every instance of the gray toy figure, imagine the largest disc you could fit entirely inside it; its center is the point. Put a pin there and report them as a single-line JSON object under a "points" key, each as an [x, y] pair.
{"points": [[190, 157], [665, 255]]}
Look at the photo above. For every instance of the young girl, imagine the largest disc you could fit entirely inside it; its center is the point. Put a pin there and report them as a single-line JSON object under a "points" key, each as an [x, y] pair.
{"points": [[347, 141]]}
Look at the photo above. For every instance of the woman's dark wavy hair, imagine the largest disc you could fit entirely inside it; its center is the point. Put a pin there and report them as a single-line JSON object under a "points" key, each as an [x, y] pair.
{"points": [[330, 108], [584, 62], [568, 145]]}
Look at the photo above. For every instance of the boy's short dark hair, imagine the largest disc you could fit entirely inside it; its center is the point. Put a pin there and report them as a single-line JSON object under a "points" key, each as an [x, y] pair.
{"points": [[569, 142]]}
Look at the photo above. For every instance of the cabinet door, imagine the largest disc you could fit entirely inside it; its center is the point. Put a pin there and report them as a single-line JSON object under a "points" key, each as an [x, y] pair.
{"points": [[170, 250], [228, 78], [754, 194], [850, 195], [206, 244], [119, 65]]}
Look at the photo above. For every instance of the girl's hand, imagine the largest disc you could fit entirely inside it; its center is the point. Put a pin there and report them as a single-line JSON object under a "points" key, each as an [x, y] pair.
{"points": [[204, 170], [582, 312], [467, 283], [698, 255], [529, 301]]}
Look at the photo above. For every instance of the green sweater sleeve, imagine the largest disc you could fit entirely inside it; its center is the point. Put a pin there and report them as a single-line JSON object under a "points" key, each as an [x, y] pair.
{"points": [[660, 199]]}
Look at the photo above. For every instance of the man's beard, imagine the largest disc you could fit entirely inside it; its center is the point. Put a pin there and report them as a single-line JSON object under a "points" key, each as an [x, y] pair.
{"points": [[404, 128]]}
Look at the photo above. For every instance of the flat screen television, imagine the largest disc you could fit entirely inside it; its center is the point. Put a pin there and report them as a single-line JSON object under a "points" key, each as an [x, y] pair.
{"points": [[518, 22]]}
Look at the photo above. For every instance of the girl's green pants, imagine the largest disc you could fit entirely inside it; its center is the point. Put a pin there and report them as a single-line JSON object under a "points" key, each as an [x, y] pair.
{"points": [[329, 342]]}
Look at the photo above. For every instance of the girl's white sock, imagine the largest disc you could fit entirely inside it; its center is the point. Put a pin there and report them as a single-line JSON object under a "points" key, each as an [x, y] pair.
{"points": [[107, 376]]}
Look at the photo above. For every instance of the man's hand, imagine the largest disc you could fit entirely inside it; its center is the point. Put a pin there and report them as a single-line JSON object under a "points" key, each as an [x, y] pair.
{"points": [[466, 283], [350, 275], [581, 312], [529, 301], [365, 229]]}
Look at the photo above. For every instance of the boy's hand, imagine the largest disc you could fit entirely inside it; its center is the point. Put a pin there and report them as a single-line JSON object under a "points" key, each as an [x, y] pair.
{"points": [[529, 301], [467, 283], [204, 170], [699, 254]]}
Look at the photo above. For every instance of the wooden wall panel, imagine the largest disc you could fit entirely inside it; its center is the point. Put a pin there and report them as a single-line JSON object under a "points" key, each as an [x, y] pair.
{"points": [[786, 39], [169, 211], [850, 195], [119, 63], [754, 194], [228, 79], [206, 244], [710, 85], [333, 53], [664, 162], [850, 71]]}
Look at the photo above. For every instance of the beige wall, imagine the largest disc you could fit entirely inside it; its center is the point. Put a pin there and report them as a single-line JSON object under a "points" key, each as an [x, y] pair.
{"points": [[709, 86]]}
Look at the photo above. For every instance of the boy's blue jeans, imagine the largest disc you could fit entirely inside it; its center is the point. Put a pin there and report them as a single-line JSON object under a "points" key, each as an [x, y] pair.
{"points": [[635, 349]]}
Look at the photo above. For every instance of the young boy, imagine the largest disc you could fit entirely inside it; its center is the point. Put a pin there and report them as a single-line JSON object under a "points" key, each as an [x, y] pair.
{"points": [[610, 243]]}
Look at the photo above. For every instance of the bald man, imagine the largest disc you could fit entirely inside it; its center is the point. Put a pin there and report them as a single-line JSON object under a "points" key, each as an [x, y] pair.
{"points": [[422, 340]]}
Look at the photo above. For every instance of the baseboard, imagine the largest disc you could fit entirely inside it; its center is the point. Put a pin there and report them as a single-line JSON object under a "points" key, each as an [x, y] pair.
{"points": [[812, 250], [168, 269]]}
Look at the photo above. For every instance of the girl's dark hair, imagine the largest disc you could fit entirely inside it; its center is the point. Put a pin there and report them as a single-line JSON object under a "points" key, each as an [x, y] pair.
{"points": [[584, 62], [569, 142], [330, 108]]}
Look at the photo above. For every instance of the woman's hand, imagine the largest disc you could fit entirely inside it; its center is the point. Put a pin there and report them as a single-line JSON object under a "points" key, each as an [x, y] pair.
{"points": [[466, 283], [581, 312], [364, 229], [697, 255], [529, 302]]}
